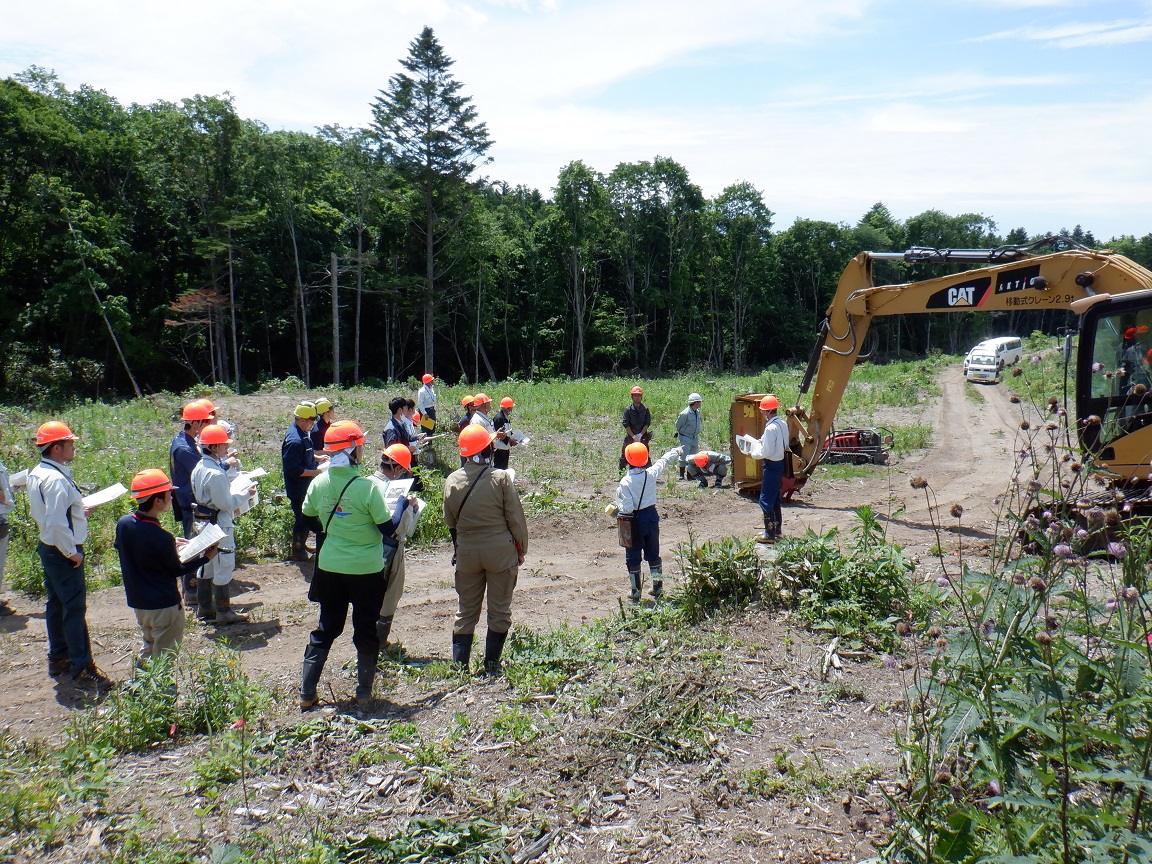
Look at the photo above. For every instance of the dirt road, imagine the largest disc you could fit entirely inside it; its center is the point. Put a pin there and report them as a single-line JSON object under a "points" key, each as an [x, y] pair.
{"points": [[574, 569]]}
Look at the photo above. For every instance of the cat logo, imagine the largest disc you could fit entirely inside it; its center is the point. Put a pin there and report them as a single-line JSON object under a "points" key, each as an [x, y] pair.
{"points": [[961, 295]]}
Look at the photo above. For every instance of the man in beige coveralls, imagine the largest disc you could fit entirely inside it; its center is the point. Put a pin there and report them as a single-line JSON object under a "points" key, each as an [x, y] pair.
{"points": [[486, 520]]}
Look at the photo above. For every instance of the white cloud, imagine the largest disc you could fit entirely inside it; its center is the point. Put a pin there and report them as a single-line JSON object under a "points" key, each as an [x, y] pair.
{"points": [[1080, 34]]}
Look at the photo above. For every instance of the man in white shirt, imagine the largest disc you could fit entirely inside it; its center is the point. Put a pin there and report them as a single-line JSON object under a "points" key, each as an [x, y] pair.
{"points": [[636, 497], [426, 398], [481, 405], [688, 430], [774, 447], [57, 505]]}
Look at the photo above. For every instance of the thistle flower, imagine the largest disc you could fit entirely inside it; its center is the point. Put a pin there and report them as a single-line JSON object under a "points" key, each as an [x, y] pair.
{"points": [[902, 628], [934, 632], [1130, 595], [890, 662], [1048, 517], [988, 627], [1031, 523], [1117, 550], [941, 644], [994, 787], [1095, 517], [1111, 605], [1062, 550], [1025, 425], [1081, 534], [1050, 426], [1034, 486], [943, 778], [1034, 360], [919, 482], [1075, 467], [1014, 399], [957, 511], [1112, 517], [1097, 367], [1037, 584], [942, 581], [1017, 372], [1017, 578], [1044, 638], [1052, 622]]}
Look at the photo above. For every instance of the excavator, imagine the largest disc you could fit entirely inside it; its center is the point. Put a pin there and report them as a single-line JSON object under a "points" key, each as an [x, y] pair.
{"points": [[1111, 294]]}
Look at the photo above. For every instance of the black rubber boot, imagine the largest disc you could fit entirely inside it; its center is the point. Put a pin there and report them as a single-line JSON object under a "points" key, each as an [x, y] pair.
{"points": [[703, 482], [493, 648], [719, 482], [383, 628], [188, 589], [657, 583], [299, 552], [365, 675], [225, 614], [315, 656], [634, 582], [681, 472], [205, 611], [461, 648]]}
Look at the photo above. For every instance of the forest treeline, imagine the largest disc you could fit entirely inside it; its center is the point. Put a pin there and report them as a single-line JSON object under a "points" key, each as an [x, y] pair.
{"points": [[160, 245]]}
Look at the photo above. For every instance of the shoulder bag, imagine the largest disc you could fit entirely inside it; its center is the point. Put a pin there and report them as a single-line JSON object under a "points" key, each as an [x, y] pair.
{"points": [[625, 524]]}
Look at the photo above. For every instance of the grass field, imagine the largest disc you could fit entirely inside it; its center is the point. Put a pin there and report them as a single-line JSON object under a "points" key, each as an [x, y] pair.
{"points": [[568, 465]]}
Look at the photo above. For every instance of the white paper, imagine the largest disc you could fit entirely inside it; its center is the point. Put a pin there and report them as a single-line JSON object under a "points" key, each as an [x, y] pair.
{"points": [[207, 538], [395, 490], [105, 495], [749, 446], [19, 480], [519, 436], [244, 480]]}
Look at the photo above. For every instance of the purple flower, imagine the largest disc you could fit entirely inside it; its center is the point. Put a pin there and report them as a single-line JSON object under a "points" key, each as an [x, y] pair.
{"points": [[1035, 360], [1033, 485], [1117, 550], [993, 787], [1097, 367], [1047, 515], [988, 627], [942, 581], [1111, 605], [890, 662], [1081, 534], [1062, 550]]}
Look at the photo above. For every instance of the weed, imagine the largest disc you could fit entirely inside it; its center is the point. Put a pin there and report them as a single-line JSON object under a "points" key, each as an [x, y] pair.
{"points": [[514, 724], [717, 574], [795, 781], [477, 841]]}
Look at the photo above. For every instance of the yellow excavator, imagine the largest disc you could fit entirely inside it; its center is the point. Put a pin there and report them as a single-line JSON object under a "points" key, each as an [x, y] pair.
{"points": [[1111, 294]]}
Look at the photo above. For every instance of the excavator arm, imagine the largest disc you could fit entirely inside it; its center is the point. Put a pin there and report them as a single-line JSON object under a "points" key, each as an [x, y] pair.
{"points": [[1014, 278]]}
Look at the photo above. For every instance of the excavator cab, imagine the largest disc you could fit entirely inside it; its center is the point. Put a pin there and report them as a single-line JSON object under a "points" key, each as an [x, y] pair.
{"points": [[1114, 383]]}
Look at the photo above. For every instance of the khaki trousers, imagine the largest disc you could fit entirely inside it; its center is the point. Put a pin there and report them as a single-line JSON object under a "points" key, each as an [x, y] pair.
{"points": [[484, 570], [395, 585], [162, 630]]}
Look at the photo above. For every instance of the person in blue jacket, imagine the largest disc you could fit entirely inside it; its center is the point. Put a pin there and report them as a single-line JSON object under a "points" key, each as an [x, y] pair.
{"points": [[300, 464], [151, 566], [183, 456]]}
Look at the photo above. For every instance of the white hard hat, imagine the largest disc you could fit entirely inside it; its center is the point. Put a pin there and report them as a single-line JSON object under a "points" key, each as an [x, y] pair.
{"points": [[694, 397]]}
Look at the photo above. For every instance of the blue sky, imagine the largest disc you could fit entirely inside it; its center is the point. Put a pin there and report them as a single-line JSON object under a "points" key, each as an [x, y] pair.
{"points": [[1037, 113]]}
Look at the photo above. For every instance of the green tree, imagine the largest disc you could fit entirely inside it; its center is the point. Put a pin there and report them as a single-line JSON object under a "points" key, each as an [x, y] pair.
{"points": [[431, 132]]}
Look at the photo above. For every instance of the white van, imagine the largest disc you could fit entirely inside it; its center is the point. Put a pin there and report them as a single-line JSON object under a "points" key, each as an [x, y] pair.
{"points": [[1006, 349], [982, 365]]}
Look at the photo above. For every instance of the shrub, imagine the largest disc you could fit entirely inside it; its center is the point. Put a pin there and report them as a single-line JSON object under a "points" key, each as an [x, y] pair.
{"points": [[717, 574]]}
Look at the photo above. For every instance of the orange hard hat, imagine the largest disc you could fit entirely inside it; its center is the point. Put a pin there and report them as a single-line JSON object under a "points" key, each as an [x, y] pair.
{"points": [[215, 434], [637, 390], [481, 399], [428, 378], [473, 439], [53, 431], [701, 459], [467, 400], [343, 435], [401, 455], [195, 411], [207, 403], [636, 454], [507, 402], [769, 403], [149, 482]]}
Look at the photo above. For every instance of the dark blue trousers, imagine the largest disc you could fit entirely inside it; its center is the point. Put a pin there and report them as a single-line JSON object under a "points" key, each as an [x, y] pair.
{"points": [[770, 496], [302, 524], [645, 540], [66, 608]]}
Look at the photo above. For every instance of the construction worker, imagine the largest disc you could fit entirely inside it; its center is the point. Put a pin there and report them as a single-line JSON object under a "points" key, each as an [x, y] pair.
{"points": [[7, 502], [637, 423], [486, 520], [182, 458], [56, 504], [426, 400], [465, 421], [481, 405], [300, 463], [774, 450], [688, 430], [325, 415], [709, 462], [151, 566], [636, 498], [395, 464], [215, 503], [350, 568], [502, 423]]}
